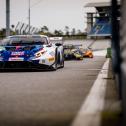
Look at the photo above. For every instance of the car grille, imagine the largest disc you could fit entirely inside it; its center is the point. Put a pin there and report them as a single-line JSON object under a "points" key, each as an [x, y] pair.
{"points": [[22, 65]]}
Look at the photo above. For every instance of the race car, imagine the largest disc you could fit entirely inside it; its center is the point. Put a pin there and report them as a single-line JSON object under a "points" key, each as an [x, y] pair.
{"points": [[30, 52], [72, 52], [87, 53]]}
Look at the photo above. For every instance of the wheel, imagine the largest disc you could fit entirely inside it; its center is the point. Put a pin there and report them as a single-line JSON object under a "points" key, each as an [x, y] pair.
{"points": [[56, 61], [62, 63]]}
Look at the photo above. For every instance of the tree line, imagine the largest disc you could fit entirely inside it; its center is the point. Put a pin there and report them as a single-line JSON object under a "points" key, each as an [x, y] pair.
{"points": [[45, 31]]}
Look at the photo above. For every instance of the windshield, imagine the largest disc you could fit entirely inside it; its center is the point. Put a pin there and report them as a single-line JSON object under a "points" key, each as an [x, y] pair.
{"points": [[23, 41]]}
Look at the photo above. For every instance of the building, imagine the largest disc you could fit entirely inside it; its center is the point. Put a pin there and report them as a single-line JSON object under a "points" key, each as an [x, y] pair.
{"points": [[99, 22]]}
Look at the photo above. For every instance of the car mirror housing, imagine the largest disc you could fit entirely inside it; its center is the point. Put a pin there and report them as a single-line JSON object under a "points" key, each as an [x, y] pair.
{"points": [[58, 44]]}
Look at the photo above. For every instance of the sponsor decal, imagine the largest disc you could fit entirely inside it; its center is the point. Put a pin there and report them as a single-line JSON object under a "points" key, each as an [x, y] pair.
{"points": [[16, 59], [51, 59], [17, 53]]}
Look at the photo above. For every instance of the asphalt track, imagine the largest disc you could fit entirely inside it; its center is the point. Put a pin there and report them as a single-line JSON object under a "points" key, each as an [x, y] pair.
{"points": [[46, 98]]}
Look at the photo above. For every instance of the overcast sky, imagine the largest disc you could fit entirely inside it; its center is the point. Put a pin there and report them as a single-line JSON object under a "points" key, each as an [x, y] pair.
{"points": [[56, 14]]}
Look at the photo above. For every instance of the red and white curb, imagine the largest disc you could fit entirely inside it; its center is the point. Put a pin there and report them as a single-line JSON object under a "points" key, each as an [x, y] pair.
{"points": [[90, 112]]}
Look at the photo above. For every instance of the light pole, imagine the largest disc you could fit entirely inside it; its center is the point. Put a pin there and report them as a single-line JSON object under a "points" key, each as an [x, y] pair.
{"points": [[29, 15], [7, 17]]}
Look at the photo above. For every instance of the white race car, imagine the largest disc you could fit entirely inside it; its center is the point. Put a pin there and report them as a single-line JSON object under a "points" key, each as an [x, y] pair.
{"points": [[30, 51]]}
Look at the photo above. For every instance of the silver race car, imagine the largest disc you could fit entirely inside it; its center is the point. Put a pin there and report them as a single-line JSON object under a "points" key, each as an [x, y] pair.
{"points": [[30, 51]]}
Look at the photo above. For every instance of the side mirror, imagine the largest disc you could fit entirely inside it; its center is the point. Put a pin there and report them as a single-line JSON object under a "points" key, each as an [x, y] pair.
{"points": [[49, 45], [58, 44]]}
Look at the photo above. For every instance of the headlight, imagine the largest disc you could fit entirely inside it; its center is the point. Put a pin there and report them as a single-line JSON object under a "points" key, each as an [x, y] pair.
{"points": [[2, 48], [40, 53]]}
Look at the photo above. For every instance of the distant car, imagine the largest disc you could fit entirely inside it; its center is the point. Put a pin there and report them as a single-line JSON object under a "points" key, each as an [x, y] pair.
{"points": [[30, 51], [72, 52], [88, 53]]}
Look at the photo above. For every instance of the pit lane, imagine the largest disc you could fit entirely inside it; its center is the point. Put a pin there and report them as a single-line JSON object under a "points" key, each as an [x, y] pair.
{"points": [[46, 98]]}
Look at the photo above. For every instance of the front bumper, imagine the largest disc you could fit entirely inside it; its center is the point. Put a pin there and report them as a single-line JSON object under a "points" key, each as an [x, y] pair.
{"points": [[24, 65]]}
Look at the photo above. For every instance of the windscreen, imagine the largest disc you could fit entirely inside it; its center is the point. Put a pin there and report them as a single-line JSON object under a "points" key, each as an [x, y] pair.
{"points": [[23, 41]]}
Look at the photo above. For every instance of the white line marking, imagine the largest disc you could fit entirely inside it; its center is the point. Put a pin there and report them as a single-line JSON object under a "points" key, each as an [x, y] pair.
{"points": [[89, 114], [100, 53]]}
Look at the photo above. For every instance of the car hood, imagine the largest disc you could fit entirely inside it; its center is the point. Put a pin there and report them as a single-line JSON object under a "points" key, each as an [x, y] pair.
{"points": [[26, 52]]}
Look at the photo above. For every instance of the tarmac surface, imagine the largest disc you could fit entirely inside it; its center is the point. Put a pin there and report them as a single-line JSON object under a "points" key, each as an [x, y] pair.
{"points": [[50, 98], [46, 98]]}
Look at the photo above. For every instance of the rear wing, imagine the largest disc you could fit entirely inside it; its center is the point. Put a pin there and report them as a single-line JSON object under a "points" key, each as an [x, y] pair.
{"points": [[55, 40]]}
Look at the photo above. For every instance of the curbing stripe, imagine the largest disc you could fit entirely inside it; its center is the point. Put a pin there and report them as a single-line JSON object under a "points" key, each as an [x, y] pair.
{"points": [[89, 114]]}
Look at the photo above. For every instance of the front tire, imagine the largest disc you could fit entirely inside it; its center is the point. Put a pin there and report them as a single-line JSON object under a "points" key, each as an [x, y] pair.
{"points": [[56, 61], [62, 66]]}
